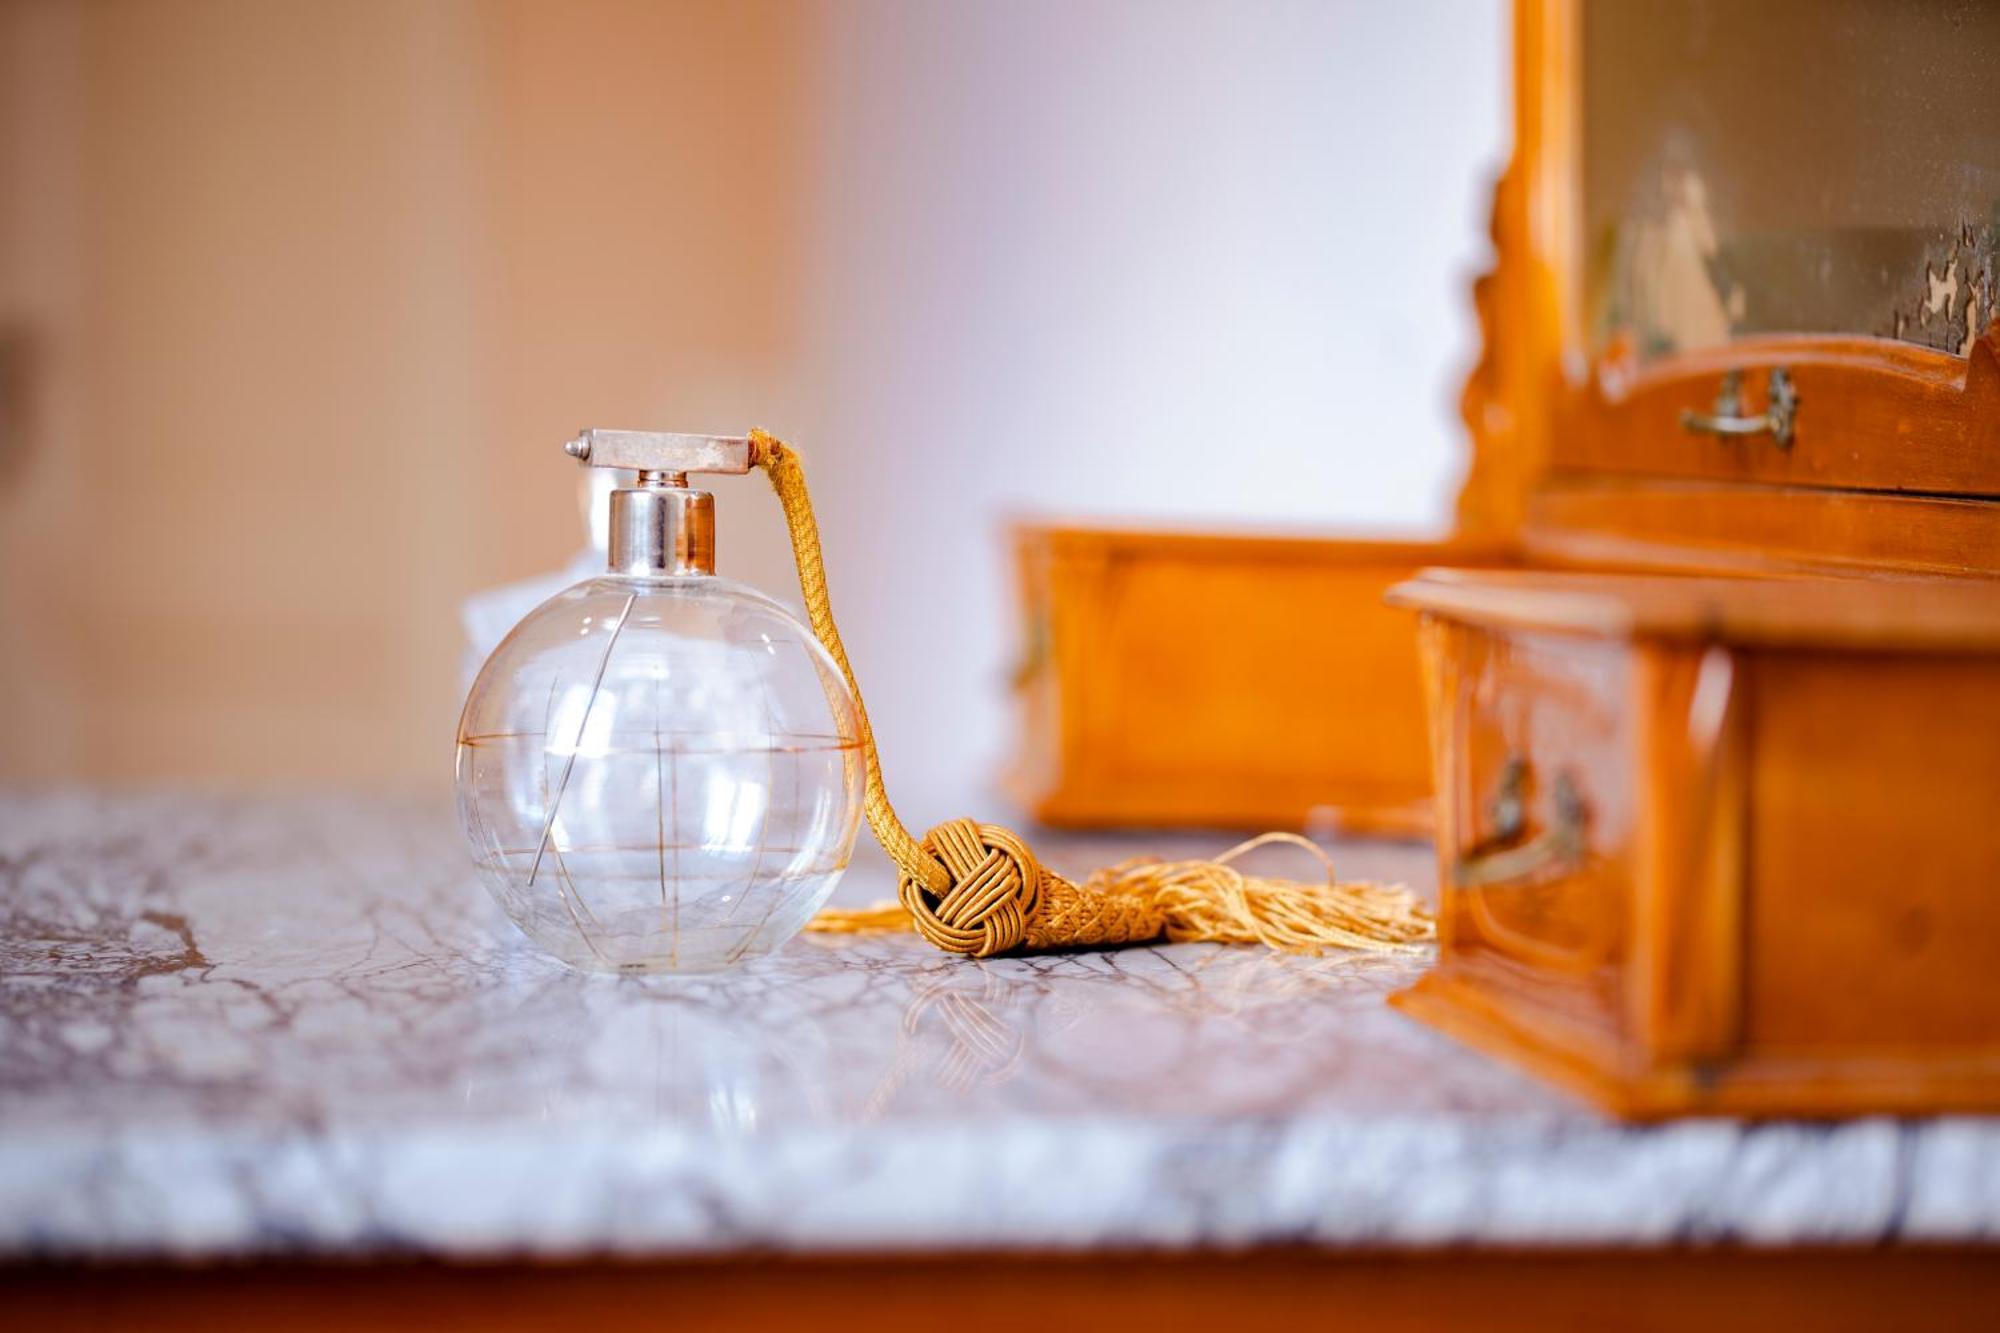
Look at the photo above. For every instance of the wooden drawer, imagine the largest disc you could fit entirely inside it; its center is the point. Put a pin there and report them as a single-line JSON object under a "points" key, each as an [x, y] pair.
{"points": [[1719, 845], [1186, 679], [1872, 415], [1534, 721]]}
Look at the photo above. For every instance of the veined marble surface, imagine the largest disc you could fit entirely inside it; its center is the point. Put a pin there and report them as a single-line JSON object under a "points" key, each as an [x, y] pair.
{"points": [[235, 1027]]}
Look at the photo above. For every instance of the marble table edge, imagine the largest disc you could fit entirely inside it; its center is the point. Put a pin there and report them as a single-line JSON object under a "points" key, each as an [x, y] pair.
{"points": [[1349, 1182]]}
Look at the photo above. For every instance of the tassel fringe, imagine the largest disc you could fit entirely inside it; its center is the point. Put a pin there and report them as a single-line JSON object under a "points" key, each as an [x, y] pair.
{"points": [[1211, 900]]}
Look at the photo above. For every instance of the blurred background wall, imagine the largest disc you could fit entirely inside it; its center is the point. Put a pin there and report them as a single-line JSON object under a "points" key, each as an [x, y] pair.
{"points": [[298, 299]]}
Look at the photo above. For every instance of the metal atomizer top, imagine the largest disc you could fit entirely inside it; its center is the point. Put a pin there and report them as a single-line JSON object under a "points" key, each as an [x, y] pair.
{"points": [[660, 527]]}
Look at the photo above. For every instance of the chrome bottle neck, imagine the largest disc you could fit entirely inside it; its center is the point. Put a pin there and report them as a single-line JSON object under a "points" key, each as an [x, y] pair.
{"points": [[662, 528]]}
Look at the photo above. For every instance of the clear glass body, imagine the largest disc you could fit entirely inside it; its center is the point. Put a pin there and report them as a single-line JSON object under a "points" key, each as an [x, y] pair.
{"points": [[660, 774]]}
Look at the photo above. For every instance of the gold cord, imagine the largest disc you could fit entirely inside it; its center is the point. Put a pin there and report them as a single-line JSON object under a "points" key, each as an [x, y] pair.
{"points": [[977, 889]]}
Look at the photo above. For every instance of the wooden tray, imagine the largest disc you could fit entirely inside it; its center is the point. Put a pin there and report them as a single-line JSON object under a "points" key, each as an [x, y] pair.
{"points": [[1198, 679]]}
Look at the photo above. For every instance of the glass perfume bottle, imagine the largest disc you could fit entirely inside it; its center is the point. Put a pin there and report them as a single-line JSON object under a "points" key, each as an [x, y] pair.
{"points": [[659, 769]]}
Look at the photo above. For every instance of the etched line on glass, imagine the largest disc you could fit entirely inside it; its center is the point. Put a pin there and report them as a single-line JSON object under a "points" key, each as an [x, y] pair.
{"points": [[569, 766]]}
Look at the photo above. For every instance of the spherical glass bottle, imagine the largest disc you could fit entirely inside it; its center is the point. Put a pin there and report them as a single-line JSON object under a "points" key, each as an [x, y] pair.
{"points": [[658, 769]]}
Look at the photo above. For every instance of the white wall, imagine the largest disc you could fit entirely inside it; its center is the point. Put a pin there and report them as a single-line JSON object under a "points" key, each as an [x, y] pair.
{"points": [[1122, 259]]}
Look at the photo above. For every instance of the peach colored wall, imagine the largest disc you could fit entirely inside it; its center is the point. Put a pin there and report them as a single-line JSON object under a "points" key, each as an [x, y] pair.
{"points": [[311, 292]]}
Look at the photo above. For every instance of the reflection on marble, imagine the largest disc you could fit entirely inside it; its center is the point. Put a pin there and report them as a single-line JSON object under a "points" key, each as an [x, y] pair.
{"points": [[255, 1027]]}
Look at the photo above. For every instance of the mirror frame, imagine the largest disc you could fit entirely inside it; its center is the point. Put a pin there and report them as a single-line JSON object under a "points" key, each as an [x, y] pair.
{"points": [[1590, 461]]}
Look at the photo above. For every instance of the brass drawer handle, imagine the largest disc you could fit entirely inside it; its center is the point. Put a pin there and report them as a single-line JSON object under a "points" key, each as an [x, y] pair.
{"points": [[1779, 419], [1501, 859]]}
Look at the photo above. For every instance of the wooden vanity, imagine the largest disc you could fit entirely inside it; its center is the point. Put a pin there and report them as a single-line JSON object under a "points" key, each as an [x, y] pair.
{"points": [[1720, 837], [1713, 733]]}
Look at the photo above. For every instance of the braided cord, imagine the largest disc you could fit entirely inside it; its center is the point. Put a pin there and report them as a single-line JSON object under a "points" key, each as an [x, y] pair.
{"points": [[788, 479]]}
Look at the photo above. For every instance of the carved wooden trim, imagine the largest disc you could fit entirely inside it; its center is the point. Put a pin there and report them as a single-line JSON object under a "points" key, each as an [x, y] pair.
{"points": [[1522, 302]]}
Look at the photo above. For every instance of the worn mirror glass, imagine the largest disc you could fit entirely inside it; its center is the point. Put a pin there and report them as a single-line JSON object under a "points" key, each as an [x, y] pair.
{"points": [[1789, 166]]}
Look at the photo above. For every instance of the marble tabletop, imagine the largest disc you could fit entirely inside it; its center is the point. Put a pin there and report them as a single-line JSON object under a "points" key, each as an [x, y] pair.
{"points": [[236, 1027]]}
